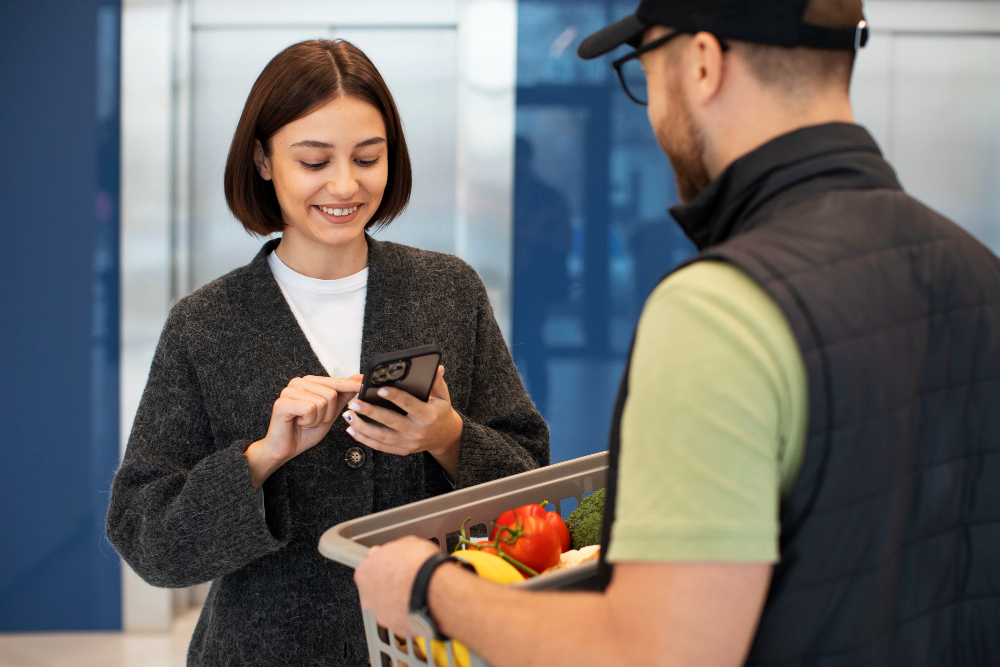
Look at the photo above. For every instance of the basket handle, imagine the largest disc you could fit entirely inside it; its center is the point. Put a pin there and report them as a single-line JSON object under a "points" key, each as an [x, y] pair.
{"points": [[336, 547]]}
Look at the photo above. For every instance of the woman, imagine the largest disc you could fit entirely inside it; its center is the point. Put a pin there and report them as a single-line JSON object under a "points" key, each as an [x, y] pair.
{"points": [[253, 383]]}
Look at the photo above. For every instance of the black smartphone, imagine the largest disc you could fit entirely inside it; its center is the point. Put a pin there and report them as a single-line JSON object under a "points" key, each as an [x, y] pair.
{"points": [[411, 370]]}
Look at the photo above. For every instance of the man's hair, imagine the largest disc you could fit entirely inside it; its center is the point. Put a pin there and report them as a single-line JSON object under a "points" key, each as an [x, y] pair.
{"points": [[296, 82], [794, 69]]}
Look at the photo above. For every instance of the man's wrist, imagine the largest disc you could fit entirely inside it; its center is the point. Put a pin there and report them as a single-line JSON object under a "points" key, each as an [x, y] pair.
{"points": [[447, 591], [419, 607]]}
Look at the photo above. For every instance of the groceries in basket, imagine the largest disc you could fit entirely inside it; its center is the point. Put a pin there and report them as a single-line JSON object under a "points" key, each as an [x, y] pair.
{"points": [[525, 542], [435, 518], [584, 522], [535, 540], [510, 517]]}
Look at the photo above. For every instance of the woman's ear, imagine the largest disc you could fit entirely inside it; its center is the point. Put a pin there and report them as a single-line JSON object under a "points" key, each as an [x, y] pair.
{"points": [[261, 161]]}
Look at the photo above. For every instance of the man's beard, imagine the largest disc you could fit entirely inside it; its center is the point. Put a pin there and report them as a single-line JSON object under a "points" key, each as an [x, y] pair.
{"points": [[685, 148]]}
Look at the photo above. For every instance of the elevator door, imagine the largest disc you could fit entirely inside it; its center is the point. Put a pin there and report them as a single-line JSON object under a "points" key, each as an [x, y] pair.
{"points": [[931, 100]]}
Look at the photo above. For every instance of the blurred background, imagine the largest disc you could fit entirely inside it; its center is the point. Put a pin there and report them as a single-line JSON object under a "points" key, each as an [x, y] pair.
{"points": [[532, 165]]}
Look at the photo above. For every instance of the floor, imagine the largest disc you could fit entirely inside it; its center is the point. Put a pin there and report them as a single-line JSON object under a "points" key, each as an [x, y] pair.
{"points": [[100, 649]]}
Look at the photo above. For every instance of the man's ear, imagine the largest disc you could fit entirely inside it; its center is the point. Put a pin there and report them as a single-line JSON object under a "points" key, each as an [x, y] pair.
{"points": [[261, 161], [707, 62]]}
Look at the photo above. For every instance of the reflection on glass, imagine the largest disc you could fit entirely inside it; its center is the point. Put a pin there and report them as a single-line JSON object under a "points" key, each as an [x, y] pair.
{"points": [[591, 232], [542, 241]]}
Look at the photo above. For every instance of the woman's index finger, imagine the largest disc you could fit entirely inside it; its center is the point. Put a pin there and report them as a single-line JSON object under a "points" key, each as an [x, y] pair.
{"points": [[342, 385]]}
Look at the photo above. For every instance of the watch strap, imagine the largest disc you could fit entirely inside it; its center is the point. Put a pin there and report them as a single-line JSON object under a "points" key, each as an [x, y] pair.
{"points": [[418, 595]]}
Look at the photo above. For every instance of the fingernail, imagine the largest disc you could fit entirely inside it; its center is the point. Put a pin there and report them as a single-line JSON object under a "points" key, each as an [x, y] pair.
{"points": [[350, 430], [354, 406], [348, 418], [383, 392]]}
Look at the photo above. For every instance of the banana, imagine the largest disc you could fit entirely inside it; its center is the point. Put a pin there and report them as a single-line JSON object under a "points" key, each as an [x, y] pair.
{"points": [[491, 567]]}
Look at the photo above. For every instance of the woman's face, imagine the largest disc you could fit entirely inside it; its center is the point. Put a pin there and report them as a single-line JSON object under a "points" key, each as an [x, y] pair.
{"points": [[329, 170]]}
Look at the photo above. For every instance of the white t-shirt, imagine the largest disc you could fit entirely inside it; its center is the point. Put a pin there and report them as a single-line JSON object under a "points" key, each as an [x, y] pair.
{"points": [[331, 313]]}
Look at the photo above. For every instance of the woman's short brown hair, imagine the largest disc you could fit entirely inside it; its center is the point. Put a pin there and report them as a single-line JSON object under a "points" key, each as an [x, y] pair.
{"points": [[296, 82]]}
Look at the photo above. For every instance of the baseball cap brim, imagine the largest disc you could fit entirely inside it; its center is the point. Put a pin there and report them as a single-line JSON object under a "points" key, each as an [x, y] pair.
{"points": [[627, 31]]}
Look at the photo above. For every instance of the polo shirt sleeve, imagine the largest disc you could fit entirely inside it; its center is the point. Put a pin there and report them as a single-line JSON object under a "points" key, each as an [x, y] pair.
{"points": [[714, 427]]}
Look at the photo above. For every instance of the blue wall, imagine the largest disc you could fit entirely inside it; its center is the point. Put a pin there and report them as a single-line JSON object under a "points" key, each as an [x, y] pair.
{"points": [[59, 127], [592, 236]]}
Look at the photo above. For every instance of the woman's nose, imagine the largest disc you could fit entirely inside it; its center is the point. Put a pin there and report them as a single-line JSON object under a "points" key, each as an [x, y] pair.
{"points": [[342, 183]]}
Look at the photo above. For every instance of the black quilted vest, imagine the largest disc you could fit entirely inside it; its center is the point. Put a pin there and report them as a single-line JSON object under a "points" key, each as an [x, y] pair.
{"points": [[890, 537]]}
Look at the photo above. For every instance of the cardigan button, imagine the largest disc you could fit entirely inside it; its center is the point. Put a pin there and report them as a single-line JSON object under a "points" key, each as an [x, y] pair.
{"points": [[355, 457]]}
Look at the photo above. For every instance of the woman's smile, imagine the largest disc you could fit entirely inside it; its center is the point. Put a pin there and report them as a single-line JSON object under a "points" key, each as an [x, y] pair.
{"points": [[339, 214]]}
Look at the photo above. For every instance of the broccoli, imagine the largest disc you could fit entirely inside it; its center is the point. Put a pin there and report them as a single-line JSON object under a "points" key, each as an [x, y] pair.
{"points": [[584, 522]]}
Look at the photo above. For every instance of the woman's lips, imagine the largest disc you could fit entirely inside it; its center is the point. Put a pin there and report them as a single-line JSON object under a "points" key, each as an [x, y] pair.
{"points": [[336, 214]]}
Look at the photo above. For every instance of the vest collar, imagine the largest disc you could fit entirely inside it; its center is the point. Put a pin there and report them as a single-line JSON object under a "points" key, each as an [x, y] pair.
{"points": [[819, 158]]}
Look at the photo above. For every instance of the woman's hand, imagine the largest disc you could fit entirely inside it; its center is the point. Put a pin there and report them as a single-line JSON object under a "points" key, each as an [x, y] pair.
{"points": [[432, 427], [300, 418]]}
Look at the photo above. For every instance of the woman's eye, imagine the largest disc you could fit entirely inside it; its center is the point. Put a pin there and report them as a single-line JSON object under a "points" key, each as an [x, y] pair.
{"points": [[314, 166], [366, 163]]}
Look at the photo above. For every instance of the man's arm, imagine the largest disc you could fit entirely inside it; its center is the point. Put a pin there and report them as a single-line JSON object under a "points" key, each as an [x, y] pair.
{"points": [[689, 614]]}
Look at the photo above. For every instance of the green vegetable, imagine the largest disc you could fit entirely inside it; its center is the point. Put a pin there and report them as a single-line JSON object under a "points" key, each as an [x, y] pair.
{"points": [[584, 522]]}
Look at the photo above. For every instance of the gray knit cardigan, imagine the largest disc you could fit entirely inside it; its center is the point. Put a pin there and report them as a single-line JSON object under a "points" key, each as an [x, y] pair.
{"points": [[183, 509]]}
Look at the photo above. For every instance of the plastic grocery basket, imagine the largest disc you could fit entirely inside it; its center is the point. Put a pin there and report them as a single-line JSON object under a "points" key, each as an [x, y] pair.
{"points": [[442, 516]]}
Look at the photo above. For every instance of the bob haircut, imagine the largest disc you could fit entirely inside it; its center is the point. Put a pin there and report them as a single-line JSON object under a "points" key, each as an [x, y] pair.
{"points": [[296, 82]]}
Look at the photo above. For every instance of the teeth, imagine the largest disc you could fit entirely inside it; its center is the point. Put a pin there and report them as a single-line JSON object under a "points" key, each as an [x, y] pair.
{"points": [[338, 211]]}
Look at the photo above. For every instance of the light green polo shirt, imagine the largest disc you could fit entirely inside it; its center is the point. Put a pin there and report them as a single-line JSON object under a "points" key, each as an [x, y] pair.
{"points": [[714, 427]]}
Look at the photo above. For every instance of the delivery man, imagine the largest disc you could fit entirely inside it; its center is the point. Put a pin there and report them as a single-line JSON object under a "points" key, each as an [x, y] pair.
{"points": [[806, 447]]}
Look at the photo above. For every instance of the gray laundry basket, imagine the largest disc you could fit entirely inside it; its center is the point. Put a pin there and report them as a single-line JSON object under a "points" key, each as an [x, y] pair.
{"points": [[442, 516]]}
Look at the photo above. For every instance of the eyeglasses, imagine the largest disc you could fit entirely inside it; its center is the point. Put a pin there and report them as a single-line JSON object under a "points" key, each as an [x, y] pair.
{"points": [[633, 76]]}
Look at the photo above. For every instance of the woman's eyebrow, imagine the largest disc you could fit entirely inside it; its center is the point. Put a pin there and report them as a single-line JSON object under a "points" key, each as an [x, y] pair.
{"points": [[313, 143]]}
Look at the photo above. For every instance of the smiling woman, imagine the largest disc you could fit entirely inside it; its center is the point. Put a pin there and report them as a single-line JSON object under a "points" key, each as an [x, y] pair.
{"points": [[253, 372], [329, 171]]}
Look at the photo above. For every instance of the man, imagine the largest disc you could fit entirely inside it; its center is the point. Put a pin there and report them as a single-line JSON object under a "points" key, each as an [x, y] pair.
{"points": [[806, 446]]}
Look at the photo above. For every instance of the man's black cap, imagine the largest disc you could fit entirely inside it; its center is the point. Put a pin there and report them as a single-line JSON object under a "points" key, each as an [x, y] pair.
{"points": [[777, 22]]}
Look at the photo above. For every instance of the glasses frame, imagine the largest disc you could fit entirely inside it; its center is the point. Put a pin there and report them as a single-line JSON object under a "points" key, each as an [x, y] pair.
{"points": [[646, 48]]}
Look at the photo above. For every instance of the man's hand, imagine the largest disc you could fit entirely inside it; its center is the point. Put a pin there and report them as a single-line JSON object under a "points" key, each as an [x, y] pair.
{"points": [[385, 580]]}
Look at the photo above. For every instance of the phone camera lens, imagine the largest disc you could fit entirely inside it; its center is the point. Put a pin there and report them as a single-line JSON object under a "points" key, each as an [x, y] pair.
{"points": [[389, 372]]}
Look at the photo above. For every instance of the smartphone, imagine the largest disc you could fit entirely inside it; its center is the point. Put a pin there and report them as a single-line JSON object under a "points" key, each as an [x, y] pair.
{"points": [[411, 370]]}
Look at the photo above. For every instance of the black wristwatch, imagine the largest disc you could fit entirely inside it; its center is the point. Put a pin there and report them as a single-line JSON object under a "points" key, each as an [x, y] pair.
{"points": [[419, 613]]}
